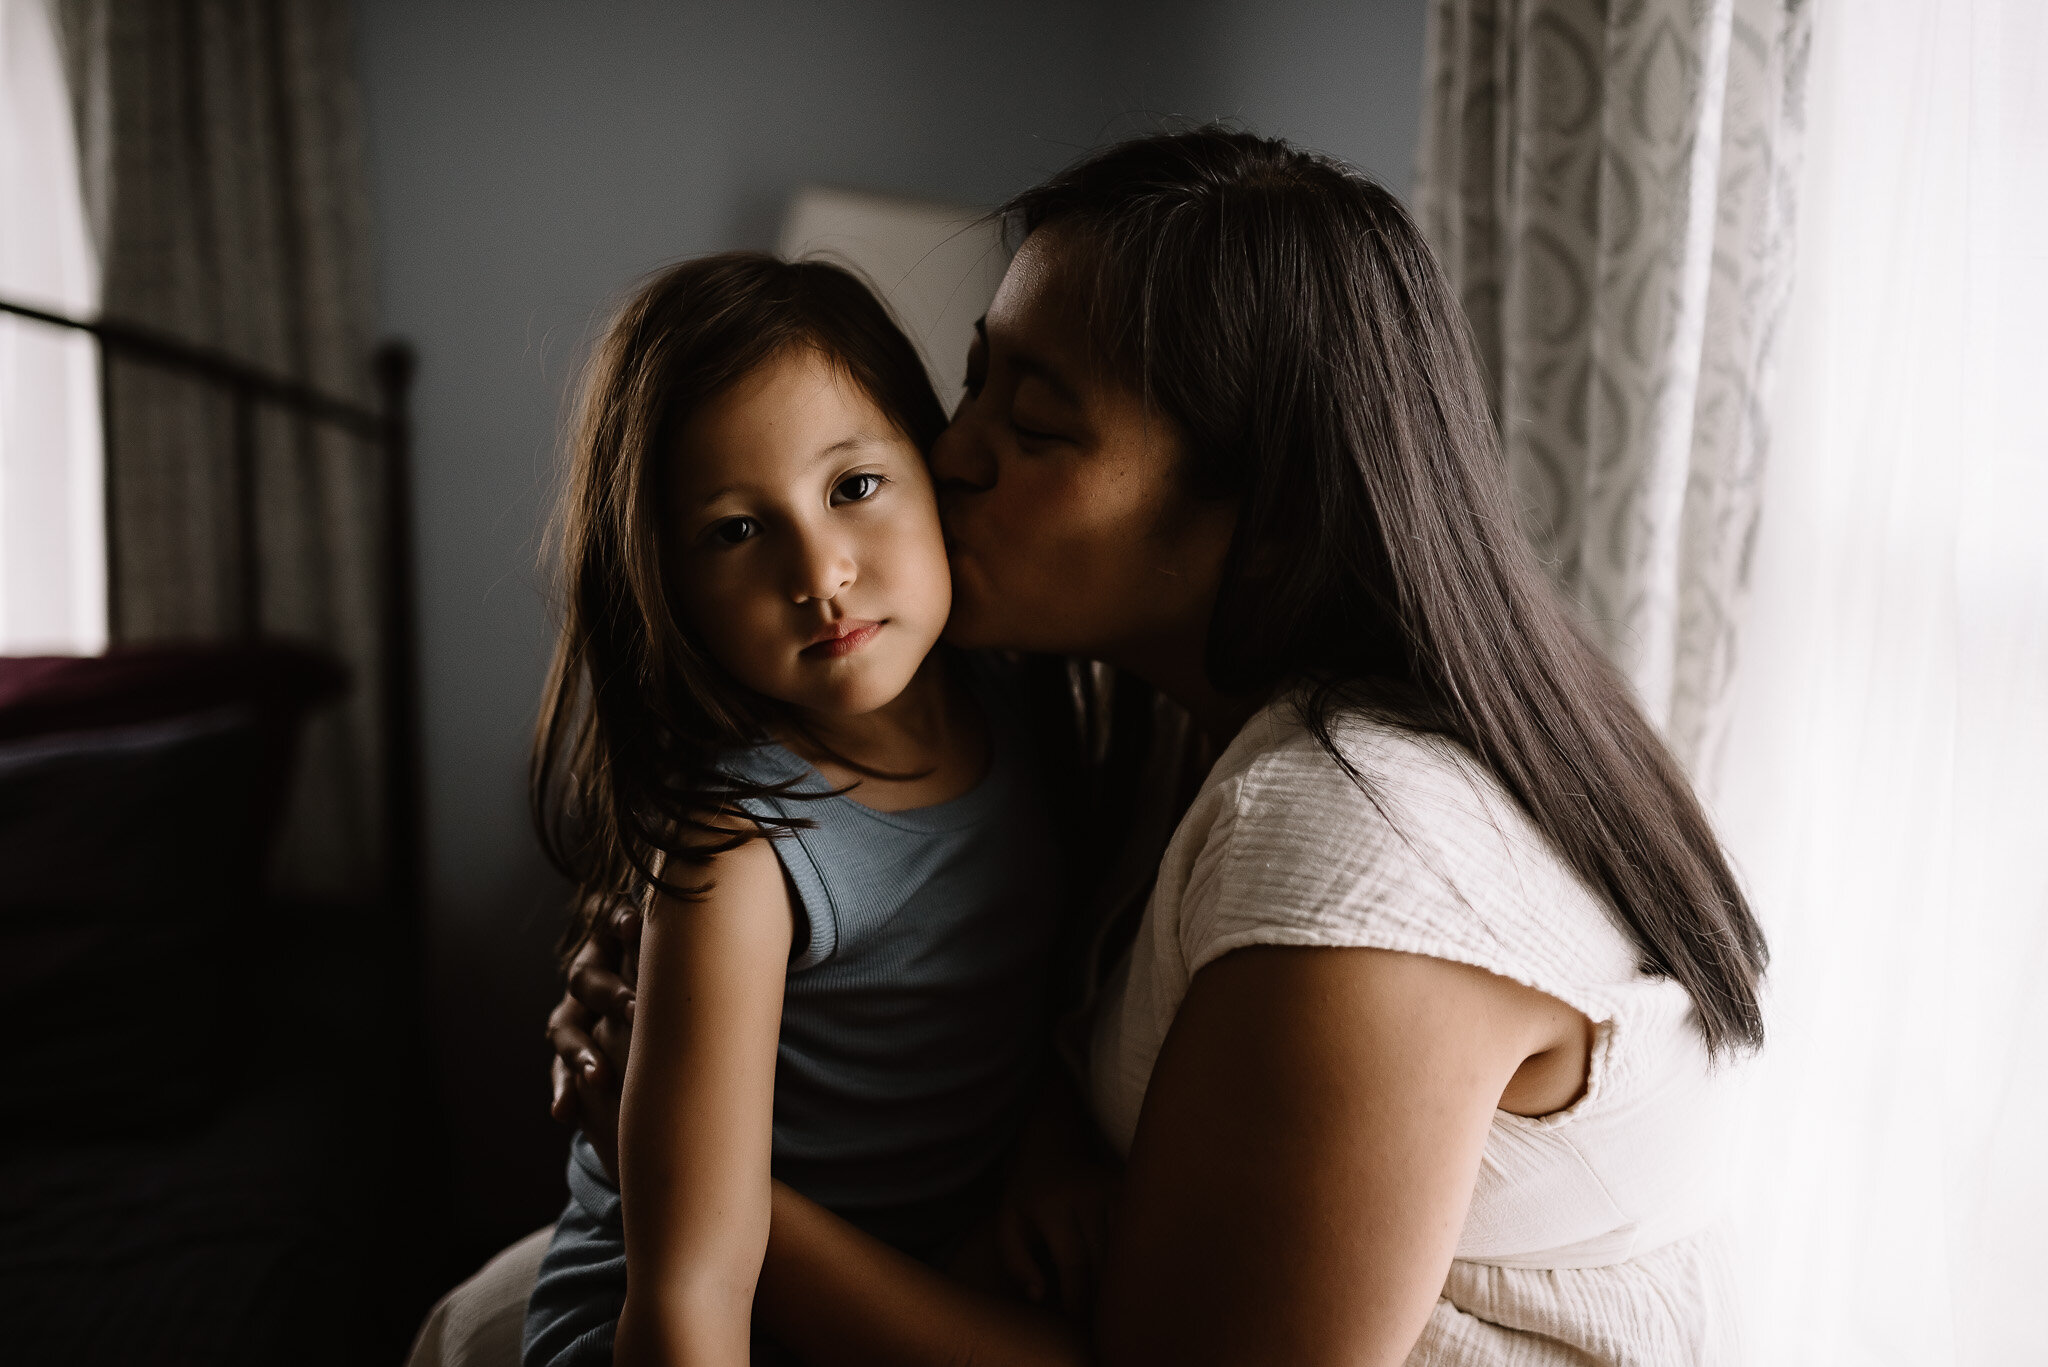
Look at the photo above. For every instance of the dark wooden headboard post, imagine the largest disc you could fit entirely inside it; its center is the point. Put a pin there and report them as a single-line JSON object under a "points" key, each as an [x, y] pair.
{"points": [[394, 365]]}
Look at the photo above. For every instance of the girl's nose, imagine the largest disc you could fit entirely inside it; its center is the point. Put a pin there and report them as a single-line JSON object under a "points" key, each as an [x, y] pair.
{"points": [[824, 569]]}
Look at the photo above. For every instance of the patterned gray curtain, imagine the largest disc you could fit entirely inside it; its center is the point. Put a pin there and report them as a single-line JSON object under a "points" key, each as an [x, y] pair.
{"points": [[222, 171], [1610, 185]]}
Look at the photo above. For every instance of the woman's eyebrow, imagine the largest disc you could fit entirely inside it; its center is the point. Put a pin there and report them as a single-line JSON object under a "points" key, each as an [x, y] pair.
{"points": [[1027, 364], [1038, 370]]}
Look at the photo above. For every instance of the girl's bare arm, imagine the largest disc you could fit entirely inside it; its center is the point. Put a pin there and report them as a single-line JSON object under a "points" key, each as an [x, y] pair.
{"points": [[696, 1120], [837, 1297]]}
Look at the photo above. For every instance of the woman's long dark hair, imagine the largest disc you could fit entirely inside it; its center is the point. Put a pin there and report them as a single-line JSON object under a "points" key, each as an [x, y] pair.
{"points": [[1284, 311], [637, 714]]}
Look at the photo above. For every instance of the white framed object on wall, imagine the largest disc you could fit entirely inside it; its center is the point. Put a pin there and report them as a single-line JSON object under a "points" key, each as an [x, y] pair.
{"points": [[935, 265]]}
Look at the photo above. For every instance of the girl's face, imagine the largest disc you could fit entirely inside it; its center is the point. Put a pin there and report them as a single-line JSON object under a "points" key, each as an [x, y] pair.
{"points": [[809, 557], [1066, 522]]}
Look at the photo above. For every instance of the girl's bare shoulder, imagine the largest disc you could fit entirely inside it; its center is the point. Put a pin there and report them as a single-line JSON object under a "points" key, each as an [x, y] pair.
{"points": [[713, 871]]}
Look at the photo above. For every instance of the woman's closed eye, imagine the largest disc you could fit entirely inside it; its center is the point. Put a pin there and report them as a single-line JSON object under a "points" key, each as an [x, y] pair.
{"points": [[1028, 433], [858, 488], [1040, 412]]}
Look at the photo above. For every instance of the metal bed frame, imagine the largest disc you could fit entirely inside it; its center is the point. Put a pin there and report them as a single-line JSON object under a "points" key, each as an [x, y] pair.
{"points": [[387, 429]]}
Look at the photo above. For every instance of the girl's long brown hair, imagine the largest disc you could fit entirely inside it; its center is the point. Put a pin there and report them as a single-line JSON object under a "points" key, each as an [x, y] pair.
{"points": [[1285, 312], [636, 715]]}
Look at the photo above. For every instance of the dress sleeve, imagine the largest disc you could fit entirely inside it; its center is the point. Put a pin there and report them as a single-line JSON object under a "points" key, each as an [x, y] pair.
{"points": [[1425, 857]]}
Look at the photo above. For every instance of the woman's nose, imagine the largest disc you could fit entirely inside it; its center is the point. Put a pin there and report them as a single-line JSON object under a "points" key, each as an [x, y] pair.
{"points": [[960, 461]]}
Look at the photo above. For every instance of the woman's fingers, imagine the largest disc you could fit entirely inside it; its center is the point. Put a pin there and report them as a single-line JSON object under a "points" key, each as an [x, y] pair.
{"points": [[1080, 1258], [1071, 1270], [1023, 1256], [1068, 1230], [614, 1037], [563, 1107], [625, 924], [569, 1034], [594, 979], [1051, 1237], [585, 1085], [591, 1028]]}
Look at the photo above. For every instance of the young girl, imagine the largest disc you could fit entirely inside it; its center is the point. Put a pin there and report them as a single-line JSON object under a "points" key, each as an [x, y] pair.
{"points": [[851, 883]]}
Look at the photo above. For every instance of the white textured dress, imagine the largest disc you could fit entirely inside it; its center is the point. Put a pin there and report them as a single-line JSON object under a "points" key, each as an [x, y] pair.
{"points": [[1590, 1238]]}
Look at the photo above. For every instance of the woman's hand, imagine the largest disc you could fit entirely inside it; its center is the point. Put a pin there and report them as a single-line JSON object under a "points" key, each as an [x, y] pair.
{"points": [[1052, 1231], [591, 1030], [1052, 1226]]}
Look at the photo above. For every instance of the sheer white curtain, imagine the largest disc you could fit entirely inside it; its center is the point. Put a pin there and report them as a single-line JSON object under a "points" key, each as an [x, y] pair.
{"points": [[52, 519], [1885, 787]]}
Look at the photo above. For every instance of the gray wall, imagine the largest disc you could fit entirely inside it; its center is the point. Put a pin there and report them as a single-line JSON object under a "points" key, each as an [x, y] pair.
{"points": [[529, 159], [1339, 76]]}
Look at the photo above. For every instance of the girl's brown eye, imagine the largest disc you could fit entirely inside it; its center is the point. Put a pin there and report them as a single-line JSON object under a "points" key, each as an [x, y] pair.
{"points": [[856, 488], [734, 530]]}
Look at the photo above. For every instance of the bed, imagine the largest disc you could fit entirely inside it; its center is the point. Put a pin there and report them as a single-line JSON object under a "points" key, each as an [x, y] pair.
{"points": [[211, 1149]]}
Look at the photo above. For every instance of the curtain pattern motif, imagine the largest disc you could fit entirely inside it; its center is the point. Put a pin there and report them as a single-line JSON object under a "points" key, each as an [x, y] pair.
{"points": [[221, 168], [1609, 184]]}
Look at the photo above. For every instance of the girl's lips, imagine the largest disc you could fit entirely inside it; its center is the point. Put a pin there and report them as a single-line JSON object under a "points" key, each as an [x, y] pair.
{"points": [[843, 640]]}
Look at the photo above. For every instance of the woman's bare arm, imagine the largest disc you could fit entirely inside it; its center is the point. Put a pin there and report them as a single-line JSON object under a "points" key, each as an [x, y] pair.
{"points": [[1301, 1171], [1306, 1154], [696, 1121]]}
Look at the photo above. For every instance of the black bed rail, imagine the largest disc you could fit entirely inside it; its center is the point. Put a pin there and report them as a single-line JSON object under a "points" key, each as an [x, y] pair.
{"points": [[387, 427]]}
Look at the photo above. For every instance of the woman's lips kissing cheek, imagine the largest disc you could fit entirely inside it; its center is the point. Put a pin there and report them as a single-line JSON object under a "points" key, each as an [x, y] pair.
{"points": [[836, 640]]}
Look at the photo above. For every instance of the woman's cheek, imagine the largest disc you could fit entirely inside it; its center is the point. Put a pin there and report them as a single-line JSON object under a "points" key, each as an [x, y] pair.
{"points": [[1072, 528]]}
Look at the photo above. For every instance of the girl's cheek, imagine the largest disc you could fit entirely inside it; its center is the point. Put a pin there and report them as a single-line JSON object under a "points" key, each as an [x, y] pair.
{"points": [[714, 599], [933, 546], [718, 580]]}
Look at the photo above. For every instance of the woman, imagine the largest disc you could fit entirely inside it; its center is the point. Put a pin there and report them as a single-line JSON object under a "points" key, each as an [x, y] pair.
{"points": [[1410, 1056]]}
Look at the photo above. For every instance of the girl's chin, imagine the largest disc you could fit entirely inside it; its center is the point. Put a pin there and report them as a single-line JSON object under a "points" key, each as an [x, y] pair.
{"points": [[857, 686]]}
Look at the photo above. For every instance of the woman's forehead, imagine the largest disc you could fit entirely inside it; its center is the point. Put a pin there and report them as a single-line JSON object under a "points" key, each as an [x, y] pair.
{"points": [[1036, 315], [1033, 283]]}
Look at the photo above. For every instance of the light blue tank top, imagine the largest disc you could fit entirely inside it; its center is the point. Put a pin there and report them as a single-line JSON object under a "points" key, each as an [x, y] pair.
{"points": [[916, 1011], [915, 1020]]}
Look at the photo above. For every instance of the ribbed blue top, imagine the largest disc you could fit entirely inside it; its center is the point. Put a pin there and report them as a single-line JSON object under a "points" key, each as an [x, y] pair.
{"points": [[915, 1013], [914, 1020]]}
